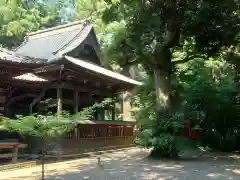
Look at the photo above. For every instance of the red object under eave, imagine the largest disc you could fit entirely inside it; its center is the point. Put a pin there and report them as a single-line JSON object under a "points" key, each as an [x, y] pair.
{"points": [[192, 135], [189, 133]]}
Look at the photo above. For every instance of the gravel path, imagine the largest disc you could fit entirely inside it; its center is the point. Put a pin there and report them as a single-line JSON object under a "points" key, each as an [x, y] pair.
{"points": [[133, 164]]}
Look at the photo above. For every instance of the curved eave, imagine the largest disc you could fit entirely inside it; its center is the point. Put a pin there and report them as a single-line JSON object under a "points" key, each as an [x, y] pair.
{"points": [[102, 71]]}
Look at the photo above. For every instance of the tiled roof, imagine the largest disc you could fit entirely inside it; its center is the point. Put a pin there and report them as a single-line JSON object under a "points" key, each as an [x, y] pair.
{"points": [[44, 44], [53, 44], [11, 56], [76, 40]]}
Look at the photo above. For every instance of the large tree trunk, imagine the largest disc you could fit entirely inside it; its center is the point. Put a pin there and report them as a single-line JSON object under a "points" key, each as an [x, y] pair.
{"points": [[163, 114], [163, 92], [162, 130], [126, 98]]}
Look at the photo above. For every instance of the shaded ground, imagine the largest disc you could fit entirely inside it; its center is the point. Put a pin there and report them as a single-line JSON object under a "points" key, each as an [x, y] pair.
{"points": [[133, 164]]}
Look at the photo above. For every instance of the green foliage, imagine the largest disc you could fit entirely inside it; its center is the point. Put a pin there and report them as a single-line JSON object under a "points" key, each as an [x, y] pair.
{"points": [[160, 34], [87, 113], [93, 10], [211, 24], [44, 127], [214, 77], [210, 87], [143, 108], [15, 20], [164, 136], [143, 103], [18, 17], [50, 125], [148, 33], [145, 138], [205, 91], [40, 126], [139, 34]]}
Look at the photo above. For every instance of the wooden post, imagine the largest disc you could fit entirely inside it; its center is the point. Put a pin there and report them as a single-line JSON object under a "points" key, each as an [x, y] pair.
{"points": [[15, 154], [122, 102], [113, 106], [102, 111], [76, 110], [75, 101], [113, 111], [59, 101]]}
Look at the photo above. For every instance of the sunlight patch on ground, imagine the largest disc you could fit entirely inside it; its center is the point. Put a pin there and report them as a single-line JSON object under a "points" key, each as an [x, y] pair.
{"points": [[165, 166], [235, 156], [211, 175], [236, 171]]}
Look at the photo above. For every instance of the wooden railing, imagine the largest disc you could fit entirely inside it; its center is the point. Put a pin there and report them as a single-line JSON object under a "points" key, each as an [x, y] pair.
{"points": [[76, 146], [87, 138]]}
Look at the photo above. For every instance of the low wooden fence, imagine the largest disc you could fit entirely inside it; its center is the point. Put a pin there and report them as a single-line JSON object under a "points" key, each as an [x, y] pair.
{"points": [[82, 145], [85, 138], [95, 137]]}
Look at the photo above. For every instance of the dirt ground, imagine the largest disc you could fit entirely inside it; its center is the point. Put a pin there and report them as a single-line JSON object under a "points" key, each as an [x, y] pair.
{"points": [[133, 164]]}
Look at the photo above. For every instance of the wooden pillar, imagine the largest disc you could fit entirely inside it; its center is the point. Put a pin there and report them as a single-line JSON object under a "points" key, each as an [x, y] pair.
{"points": [[59, 101], [15, 155], [102, 114], [75, 101], [113, 106], [122, 102], [113, 111]]}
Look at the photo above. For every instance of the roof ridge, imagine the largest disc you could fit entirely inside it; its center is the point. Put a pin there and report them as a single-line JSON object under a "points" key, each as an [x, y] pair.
{"points": [[85, 22], [71, 41]]}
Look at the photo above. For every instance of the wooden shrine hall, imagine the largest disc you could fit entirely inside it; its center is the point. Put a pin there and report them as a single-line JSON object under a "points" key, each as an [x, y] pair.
{"points": [[63, 65]]}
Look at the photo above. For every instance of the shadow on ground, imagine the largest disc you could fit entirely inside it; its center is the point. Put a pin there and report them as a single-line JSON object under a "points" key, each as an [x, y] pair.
{"points": [[135, 165]]}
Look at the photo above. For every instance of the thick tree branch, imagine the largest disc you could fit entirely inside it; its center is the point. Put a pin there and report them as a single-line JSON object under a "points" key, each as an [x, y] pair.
{"points": [[162, 52], [148, 62], [143, 58]]}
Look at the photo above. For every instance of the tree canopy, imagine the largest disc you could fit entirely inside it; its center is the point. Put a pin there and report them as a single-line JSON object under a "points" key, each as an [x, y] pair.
{"points": [[18, 17], [152, 26], [162, 34]]}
